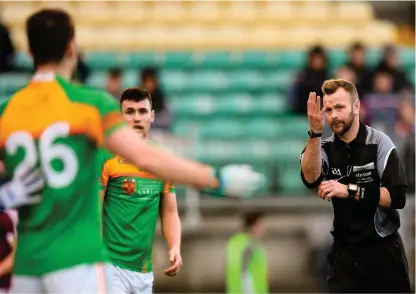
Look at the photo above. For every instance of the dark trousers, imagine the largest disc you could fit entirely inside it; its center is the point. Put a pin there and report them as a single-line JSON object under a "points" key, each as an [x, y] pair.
{"points": [[379, 267]]}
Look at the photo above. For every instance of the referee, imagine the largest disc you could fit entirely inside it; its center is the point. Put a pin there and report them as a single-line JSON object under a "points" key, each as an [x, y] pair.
{"points": [[359, 171]]}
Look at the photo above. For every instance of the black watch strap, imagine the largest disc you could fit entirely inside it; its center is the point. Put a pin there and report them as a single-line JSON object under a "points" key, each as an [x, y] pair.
{"points": [[311, 134]]}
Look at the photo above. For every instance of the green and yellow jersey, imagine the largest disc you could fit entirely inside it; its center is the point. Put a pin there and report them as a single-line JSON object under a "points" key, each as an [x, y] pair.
{"points": [[59, 127], [130, 212]]}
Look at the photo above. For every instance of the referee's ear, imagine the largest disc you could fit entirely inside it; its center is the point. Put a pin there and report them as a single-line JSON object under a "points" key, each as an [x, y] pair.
{"points": [[356, 107]]}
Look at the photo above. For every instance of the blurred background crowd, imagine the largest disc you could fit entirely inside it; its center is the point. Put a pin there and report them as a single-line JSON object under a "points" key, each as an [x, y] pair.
{"points": [[229, 82]]}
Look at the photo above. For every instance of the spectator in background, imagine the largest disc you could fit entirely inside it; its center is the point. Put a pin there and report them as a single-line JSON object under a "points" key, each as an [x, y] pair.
{"points": [[310, 79], [357, 63], [382, 104], [246, 260], [8, 222], [7, 51], [113, 83], [150, 81], [83, 71], [390, 64]]}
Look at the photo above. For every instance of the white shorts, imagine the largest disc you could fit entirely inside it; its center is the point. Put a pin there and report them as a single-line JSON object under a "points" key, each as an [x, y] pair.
{"points": [[124, 281], [86, 278]]}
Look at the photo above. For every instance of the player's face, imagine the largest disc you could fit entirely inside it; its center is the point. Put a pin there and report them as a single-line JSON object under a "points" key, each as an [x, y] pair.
{"points": [[139, 115], [341, 111]]}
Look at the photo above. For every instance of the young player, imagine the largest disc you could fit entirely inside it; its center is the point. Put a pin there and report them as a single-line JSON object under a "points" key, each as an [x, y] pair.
{"points": [[51, 130], [131, 207]]}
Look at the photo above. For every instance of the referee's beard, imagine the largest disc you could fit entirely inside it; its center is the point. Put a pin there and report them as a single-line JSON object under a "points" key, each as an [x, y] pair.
{"points": [[346, 124]]}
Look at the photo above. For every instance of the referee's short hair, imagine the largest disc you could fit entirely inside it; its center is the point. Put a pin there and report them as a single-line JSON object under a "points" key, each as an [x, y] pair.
{"points": [[331, 86], [252, 218]]}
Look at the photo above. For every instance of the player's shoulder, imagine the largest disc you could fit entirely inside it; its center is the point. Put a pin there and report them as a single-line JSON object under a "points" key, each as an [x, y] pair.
{"points": [[86, 94]]}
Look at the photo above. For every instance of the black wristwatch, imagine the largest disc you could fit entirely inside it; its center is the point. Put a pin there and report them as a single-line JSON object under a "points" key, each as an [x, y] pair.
{"points": [[311, 134], [352, 190]]}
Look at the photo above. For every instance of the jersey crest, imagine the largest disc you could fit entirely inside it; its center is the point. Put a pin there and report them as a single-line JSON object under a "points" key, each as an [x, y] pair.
{"points": [[129, 185]]}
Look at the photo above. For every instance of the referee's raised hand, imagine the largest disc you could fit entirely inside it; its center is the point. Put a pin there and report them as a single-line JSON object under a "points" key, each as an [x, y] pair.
{"points": [[315, 114]]}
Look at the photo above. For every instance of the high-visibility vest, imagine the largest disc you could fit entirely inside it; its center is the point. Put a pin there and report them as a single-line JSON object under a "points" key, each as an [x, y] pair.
{"points": [[246, 267]]}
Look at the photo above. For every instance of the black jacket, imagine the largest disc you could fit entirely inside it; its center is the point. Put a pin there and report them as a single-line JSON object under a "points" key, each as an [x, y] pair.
{"points": [[371, 161]]}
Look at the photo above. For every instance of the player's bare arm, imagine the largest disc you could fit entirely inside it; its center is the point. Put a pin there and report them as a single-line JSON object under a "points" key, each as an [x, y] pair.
{"points": [[171, 230], [125, 142], [311, 163]]}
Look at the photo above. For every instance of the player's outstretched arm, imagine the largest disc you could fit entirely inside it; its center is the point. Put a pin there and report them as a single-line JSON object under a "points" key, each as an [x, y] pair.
{"points": [[125, 142], [231, 180]]}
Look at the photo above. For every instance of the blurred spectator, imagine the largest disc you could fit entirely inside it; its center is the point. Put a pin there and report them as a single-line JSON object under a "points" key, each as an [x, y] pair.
{"points": [[357, 63], [150, 81], [113, 83], [246, 265], [390, 64], [83, 71], [8, 222], [404, 127], [7, 51], [382, 104], [310, 79]]}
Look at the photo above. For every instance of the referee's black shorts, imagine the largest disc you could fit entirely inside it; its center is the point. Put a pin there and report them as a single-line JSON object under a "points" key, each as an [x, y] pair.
{"points": [[372, 268]]}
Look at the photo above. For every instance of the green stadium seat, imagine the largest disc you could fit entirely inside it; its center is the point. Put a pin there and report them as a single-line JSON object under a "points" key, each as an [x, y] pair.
{"points": [[223, 130], [407, 56], [292, 59], [257, 60], [206, 81], [215, 60], [97, 79], [288, 150], [294, 128], [290, 181], [130, 78], [261, 129], [23, 60], [137, 60], [277, 80], [271, 104], [12, 82], [179, 60], [193, 105], [337, 58], [173, 81], [105, 60], [243, 80]]}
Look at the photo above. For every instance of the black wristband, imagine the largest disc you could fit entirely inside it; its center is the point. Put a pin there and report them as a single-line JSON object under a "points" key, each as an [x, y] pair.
{"points": [[369, 196]]}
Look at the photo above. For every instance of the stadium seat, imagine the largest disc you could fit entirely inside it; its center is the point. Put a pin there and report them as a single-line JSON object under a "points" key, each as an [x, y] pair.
{"points": [[11, 82]]}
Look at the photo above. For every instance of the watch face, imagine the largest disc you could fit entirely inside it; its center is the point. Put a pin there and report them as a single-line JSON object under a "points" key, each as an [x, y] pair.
{"points": [[352, 187], [310, 133]]}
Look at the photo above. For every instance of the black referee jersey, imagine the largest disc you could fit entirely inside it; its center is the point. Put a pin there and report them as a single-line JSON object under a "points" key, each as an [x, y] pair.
{"points": [[371, 161]]}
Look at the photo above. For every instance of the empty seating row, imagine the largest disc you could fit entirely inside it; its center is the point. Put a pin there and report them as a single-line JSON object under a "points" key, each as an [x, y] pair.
{"points": [[123, 38], [197, 12]]}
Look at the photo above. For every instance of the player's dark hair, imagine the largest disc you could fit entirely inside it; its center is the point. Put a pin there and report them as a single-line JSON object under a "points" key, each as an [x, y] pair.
{"points": [[49, 32], [251, 218], [135, 94]]}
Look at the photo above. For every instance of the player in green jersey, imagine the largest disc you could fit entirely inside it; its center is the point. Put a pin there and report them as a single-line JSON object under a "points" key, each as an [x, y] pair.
{"points": [[131, 207], [52, 129]]}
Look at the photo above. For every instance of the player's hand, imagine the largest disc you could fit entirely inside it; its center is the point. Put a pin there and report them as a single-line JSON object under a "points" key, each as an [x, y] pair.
{"points": [[315, 114], [23, 189], [238, 180], [175, 260], [329, 189]]}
